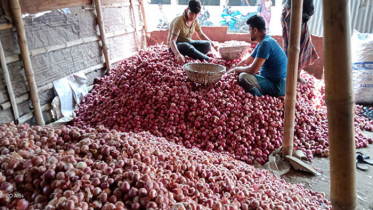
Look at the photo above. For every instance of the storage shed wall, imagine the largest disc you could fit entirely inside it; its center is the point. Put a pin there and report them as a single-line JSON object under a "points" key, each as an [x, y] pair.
{"points": [[57, 29]]}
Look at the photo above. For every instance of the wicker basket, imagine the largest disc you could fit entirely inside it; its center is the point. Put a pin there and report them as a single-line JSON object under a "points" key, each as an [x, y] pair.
{"points": [[234, 52], [204, 73]]}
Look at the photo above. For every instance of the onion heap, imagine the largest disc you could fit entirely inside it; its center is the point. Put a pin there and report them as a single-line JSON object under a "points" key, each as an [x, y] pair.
{"points": [[151, 92], [75, 169]]}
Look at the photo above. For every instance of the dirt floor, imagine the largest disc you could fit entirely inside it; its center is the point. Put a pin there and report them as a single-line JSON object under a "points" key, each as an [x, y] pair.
{"points": [[364, 179]]}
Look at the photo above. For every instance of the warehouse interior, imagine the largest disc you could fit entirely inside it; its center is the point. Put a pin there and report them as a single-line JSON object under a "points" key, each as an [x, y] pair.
{"points": [[95, 113]]}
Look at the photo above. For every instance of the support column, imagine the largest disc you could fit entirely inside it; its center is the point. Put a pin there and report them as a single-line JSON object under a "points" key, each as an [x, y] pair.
{"points": [[25, 55], [100, 21], [339, 99], [291, 79]]}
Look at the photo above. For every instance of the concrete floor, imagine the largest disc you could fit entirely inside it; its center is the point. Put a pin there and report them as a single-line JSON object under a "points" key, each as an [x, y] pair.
{"points": [[364, 179]]}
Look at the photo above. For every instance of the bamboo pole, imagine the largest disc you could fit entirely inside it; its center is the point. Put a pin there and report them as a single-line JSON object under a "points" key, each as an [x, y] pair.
{"points": [[29, 72], [9, 85], [340, 104], [291, 79], [29, 116], [135, 25], [144, 25], [101, 25]]}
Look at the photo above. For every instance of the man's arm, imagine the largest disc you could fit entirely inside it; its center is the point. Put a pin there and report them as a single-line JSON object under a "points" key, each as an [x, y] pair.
{"points": [[252, 69], [179, 57], [203, 36], [246, 61]]}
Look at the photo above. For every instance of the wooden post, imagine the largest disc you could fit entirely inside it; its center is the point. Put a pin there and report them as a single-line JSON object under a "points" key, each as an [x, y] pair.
{"points": [[144, 26], [29, 72], [291, 79], [135, 24], [12, 98], [100, 20], [340, 104]]}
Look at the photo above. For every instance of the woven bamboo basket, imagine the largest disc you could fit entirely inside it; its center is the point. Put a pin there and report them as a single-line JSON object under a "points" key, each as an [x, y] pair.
{"points": [[204, 73], [234, 52]]}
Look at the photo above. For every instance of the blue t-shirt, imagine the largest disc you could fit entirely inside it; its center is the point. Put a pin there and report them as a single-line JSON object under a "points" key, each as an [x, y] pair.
{"points": [[274, 68]]}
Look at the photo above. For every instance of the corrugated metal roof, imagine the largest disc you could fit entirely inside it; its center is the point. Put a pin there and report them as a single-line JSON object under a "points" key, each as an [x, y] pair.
{"points": [[361, 17]]}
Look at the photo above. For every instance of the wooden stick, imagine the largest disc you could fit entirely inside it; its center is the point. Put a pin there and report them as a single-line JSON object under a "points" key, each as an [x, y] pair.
{"points": [[101, 25], [119, 5], [29, 72], [39, 51], [291, 79], [339, 99], [5, 26], [145, 27], [135, 24], [29, 116], [49, 86], [9, 85]]}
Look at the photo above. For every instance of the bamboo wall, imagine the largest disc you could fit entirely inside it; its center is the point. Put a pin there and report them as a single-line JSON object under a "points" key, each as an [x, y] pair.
{"points": [[61, 44]]}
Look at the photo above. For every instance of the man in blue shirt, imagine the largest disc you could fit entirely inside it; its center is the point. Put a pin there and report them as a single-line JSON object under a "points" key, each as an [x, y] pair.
{"points": [[268, 59]]}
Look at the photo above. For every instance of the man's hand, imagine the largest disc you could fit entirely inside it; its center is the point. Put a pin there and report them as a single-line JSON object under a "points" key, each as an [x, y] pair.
{"points": [[215, 45], [237, 70], [212, 60], [180, 58]]}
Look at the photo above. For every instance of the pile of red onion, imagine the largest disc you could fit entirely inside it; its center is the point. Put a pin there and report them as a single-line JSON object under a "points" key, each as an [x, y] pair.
{"points": [[151, 92], [75, 169]]}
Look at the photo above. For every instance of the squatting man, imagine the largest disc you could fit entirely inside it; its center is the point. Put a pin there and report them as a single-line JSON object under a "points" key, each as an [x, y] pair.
{"points": [[268, 59], [182, 28]]}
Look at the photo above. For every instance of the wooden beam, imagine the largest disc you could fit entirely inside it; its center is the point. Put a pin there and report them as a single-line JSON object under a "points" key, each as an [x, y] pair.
{"points": [[48, 107], [29, 72], [9, 85], [4, 26], [36, 6], [113, 2], [291, 78], [30, 115], [339, 98], [49, 86], [127, 4], [134, 24], [39, 51], [144, 26], [101, 25]]}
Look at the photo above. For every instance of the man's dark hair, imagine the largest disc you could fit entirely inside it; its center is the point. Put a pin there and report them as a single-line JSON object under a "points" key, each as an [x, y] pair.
{"points": [[194, 6], [257, 21]]}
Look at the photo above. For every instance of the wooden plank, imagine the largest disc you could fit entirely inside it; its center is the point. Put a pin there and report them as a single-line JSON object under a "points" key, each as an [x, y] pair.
{"points": [[35, 52], [48, 86], [101, 25], [127, 4], [5, 26], [35, 6], [9, 86], [113, 2]]}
